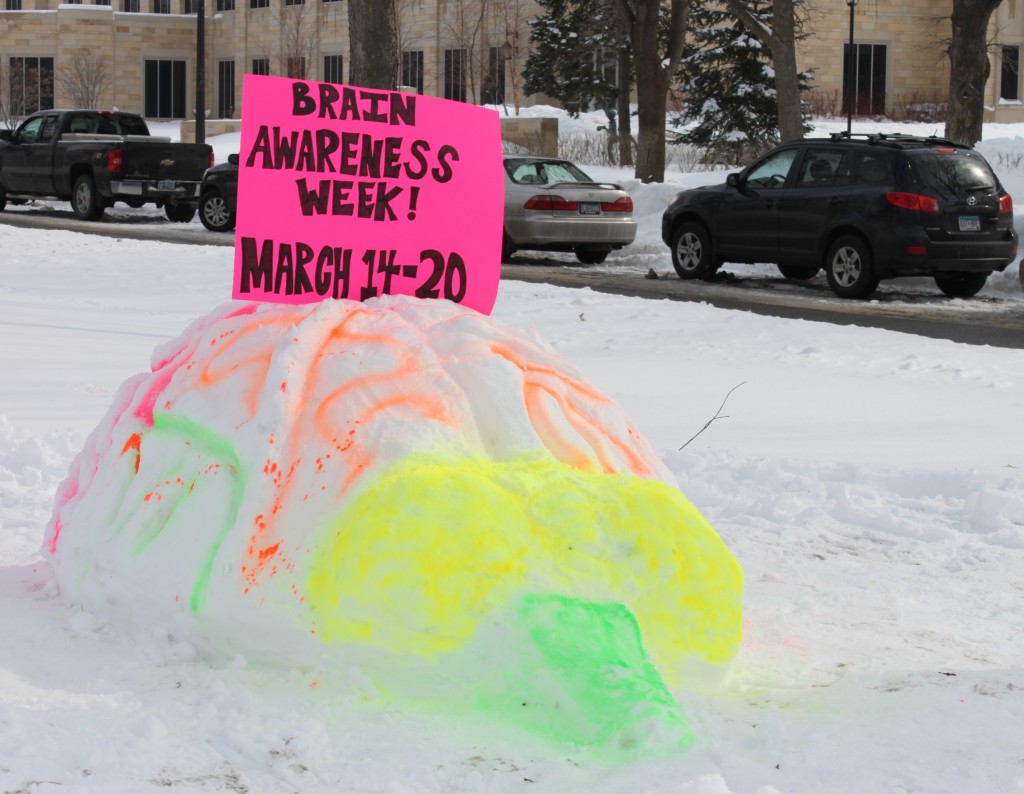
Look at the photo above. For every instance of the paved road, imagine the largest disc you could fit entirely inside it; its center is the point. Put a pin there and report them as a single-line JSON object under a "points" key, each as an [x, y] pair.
{"points": [[980, 321]]}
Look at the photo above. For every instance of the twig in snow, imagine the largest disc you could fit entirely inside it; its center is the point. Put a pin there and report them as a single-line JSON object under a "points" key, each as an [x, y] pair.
{"points": [[718, 414]]}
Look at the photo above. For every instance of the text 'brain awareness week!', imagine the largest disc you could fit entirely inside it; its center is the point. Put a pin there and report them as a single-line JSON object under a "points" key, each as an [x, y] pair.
{"points": [[350, 193]]}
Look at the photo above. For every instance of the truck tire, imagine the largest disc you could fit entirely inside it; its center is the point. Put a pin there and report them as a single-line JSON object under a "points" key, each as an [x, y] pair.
{"points": [[3, 198], [179, 213], [85, 201]]}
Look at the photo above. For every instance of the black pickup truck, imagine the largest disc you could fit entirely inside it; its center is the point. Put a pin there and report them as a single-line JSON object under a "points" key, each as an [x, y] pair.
{"points": [[94, 158]]}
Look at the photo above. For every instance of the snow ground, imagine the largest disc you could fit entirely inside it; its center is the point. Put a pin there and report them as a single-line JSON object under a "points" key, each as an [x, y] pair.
{"points": [[870, 484]]}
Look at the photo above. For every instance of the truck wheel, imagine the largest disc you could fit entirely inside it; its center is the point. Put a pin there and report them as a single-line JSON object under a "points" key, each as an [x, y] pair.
{"points": [[3, 198], [214, 213], [179, 213], [85, 201]]}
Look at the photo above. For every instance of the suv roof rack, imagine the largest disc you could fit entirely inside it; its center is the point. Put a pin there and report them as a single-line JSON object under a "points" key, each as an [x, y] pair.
{"points": [[896, 139]]}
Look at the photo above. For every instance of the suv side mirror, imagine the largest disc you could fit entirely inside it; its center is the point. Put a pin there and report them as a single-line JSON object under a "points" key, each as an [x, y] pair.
{"points": [[733, 180], [233, 158], [5, 135]]}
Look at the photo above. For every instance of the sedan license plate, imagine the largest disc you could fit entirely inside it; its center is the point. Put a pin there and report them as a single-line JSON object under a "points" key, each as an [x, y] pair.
{"points": [[970, 223], [168, 184], [590, 208]]}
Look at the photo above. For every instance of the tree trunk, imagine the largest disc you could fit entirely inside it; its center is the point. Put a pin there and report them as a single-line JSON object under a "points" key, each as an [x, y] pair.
{"points": [[781, 41], [654, 64], [968, 69], [373, 43], [625, 111], [652, 108], [787, 77]]}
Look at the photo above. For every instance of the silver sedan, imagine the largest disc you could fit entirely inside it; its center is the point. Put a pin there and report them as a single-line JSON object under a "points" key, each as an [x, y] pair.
{"points": [[552, 205]]}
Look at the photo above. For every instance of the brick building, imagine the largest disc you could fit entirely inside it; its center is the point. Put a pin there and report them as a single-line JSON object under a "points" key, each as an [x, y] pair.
{"points": [[470, 50]]}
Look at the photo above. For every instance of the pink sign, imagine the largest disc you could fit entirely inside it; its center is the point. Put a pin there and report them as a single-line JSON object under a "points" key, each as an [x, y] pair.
{"points": [[349, 192]]}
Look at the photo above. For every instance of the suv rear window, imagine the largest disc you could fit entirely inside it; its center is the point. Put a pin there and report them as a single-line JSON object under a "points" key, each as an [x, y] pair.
{"points": [[952, 175]]}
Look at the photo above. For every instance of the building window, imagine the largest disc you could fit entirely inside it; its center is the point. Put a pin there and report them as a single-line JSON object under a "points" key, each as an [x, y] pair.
{"points": [[1009, 82], [492, 87], [296, 68], [130, 6], [225, 5], [454, 75], [165, 88], [294, 2], [30, 85], [225, 89], [259, 3], [12, 5], [333, 69], [868, 64], [412, 70], [102, 2], [161, 6], [260, 66], [191, 6]]}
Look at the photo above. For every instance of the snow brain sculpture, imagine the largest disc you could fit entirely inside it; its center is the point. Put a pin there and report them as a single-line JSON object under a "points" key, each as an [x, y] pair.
{"points": [[406, 487]]}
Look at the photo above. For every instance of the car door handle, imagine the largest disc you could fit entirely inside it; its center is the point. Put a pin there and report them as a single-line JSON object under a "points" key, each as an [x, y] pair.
{"points": [[769, 203], [834, 201]]}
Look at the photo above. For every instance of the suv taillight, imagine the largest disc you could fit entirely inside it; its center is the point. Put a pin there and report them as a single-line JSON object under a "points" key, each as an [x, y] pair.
{"points": [[211, 159], [1005, 203], [913, 201], [115, 162]]}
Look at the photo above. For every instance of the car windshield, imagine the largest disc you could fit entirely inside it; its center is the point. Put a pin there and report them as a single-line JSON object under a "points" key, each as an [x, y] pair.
{"points": [[952, 175], [543, 172]]}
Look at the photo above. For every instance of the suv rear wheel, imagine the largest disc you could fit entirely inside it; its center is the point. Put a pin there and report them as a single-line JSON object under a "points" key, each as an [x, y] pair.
{"points": [[850, 268], [691, 252], [961, 285]]}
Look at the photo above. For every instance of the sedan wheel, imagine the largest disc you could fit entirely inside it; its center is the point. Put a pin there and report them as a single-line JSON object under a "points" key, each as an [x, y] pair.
{"points": [[849, 268], [691, 252], [590, 257], [214, 213]]}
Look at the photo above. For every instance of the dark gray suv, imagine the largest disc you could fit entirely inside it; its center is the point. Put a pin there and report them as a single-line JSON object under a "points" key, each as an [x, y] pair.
{"points": [[864, 207]]}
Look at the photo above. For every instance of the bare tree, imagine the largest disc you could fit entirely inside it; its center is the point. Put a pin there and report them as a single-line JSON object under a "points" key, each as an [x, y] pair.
{"points": [[656, 57], [406, 40], [512, 19], [11, 106], [464, 28], [298, 39], [968, 69], [780, 39], [373, 43], [84, 79]]}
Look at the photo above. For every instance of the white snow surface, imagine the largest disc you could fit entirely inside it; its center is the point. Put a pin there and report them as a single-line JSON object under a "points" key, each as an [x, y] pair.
{"points": [[870, 483]]}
